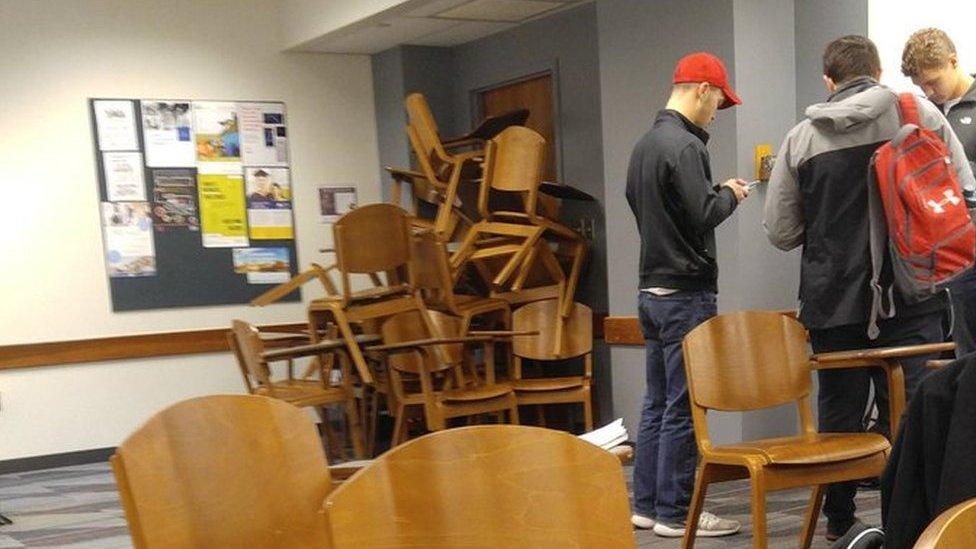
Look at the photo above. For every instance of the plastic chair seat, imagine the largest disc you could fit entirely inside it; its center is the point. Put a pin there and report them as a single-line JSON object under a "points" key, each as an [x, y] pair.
{"points": [[808, 450]]}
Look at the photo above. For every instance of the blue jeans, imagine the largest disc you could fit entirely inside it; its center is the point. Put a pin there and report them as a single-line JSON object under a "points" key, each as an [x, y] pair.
{"points": [[666, 453]]}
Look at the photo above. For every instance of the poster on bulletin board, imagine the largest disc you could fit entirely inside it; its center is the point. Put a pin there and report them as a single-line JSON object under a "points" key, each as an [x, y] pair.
{"points": [[196, 200]]}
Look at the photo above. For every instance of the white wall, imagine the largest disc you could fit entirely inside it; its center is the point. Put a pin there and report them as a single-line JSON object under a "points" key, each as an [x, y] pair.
{"points": [[891, 22], [54, 54]]}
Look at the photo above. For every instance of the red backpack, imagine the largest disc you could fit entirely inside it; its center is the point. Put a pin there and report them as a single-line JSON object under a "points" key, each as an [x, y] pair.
{"points": [[917, 207]]}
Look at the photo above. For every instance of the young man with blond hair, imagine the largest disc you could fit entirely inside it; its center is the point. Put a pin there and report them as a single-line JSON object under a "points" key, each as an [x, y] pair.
{"points": [[931, 61]]}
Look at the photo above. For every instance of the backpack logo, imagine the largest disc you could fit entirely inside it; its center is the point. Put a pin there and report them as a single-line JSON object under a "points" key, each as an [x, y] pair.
{"points": [[967, 120], [950, 198]]}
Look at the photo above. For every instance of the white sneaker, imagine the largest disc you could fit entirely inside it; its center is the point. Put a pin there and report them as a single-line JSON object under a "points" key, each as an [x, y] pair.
{"points": [[642, 522], [709, 526]]}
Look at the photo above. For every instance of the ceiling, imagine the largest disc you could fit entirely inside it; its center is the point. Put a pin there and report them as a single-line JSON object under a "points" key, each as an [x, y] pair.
{"points": [[433, 23]]}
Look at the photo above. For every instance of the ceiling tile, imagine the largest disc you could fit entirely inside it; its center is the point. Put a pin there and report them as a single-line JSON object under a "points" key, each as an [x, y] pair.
{"points": [[511, 11]]}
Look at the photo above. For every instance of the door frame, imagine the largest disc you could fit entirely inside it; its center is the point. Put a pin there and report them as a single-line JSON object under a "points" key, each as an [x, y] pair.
{"points": [[526, 72]]}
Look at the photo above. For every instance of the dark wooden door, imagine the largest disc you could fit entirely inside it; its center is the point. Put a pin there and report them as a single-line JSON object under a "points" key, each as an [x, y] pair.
{"points": [[536, 95]]}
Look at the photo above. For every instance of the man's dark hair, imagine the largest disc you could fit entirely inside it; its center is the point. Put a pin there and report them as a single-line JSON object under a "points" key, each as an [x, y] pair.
{"points": [[850, 57]]}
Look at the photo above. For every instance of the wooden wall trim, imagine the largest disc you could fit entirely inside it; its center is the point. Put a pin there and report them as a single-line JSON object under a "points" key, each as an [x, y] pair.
{"points": [[55, 353], [58, 353]]}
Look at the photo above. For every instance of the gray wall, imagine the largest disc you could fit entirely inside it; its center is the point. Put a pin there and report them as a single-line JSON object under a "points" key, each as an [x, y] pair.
{"points": [[817, 23], [390, 117], [763, 277], [640, 42]]}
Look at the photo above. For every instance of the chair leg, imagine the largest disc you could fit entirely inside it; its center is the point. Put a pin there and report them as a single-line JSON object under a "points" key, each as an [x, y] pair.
{"points": [[513, 417], [398, 425], [540, 415], [758, 508], [695, 507], [355, 428], [374, 409], [813, 511], [587, 412]]}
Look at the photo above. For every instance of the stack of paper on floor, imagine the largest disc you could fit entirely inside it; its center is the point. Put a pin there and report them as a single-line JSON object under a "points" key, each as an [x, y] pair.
{"points": [[608, 436]]}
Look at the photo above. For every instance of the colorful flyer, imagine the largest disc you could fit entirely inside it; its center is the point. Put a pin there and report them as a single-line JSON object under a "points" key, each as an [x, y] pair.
{"points": [[124, 176], [175, 199], [262, 265], [222, 213], [218, 138], [115, 121], [167, 130], [129, 250], [334, 202], [264, 139], [269, 213]]}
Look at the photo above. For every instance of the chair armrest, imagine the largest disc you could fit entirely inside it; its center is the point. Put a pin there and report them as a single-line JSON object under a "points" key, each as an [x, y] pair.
{"points": [[503, 333], [303, 350], [403, 346], [881, 354]]}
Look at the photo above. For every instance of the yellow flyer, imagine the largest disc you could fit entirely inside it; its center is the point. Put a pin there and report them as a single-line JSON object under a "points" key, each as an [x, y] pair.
{"points": [[222, 213]]}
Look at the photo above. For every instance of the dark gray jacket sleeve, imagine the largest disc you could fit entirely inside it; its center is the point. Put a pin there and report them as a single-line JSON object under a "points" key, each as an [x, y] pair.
{"points": [[783, 212], [705, 206], [932, 118]]}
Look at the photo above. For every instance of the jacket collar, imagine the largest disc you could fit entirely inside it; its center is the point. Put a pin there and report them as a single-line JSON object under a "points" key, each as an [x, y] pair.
{"points": [[852, 87], [675, 117]]}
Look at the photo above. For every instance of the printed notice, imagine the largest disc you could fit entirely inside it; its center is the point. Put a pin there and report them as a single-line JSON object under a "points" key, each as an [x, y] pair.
{"points": [[334, 202], [222, 210], [168, 132], [115, 121], [124, 179], [264, 138], [218, 138], [262, 265], [129, 248], [269, 213], [175, 200]]}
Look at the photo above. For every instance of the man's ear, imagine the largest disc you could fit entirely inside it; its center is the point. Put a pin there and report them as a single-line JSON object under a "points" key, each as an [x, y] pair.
{"points": [[829, 82], [702, 90], [953, 60]]}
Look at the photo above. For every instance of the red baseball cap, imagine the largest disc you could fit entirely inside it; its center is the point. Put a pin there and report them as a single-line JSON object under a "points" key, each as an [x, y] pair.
{"points": [[705, 67]]}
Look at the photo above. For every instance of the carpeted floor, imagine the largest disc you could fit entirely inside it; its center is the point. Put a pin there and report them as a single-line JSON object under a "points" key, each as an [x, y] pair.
{"points": [[78, 507]]}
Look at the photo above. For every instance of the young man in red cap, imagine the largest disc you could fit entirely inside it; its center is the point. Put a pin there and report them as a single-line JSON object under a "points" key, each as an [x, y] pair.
{"points": [[670, 190]]}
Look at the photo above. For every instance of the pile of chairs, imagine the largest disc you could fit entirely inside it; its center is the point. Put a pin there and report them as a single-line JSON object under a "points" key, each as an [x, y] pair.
{"points": [[415, 306]]}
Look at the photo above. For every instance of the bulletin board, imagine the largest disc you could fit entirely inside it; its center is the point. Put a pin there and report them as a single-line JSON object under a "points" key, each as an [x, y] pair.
{"points": [[196, 200]]}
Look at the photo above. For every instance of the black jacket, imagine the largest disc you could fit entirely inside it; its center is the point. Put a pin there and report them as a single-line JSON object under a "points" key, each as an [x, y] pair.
{"points": [[932, 465], [670, 191]]}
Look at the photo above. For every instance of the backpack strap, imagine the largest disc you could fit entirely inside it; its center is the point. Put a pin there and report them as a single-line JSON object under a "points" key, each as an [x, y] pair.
{"points": [[878, 231], [908, 109]]}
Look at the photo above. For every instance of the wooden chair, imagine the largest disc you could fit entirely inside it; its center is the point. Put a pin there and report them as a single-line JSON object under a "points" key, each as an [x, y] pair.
{"points": [[750, 360], [578, 334], [248, 347], [955, 528], [498, 486], [370, 240], [431, 268], [435, 382], [224, 471]]}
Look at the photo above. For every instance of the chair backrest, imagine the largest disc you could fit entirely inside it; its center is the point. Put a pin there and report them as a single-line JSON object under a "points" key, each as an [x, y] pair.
{"points": [[953, 529], [421, 119], [431, 268], [486, 486], [514, 162], [371, 239], [245, 342], [747, 360], [577, 337], [225, 471], [411, 326]]}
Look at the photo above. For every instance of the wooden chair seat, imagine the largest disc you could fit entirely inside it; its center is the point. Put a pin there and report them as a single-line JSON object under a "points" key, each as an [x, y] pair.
{"points": [[804, 450], [484, 392], [546, 384]]}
